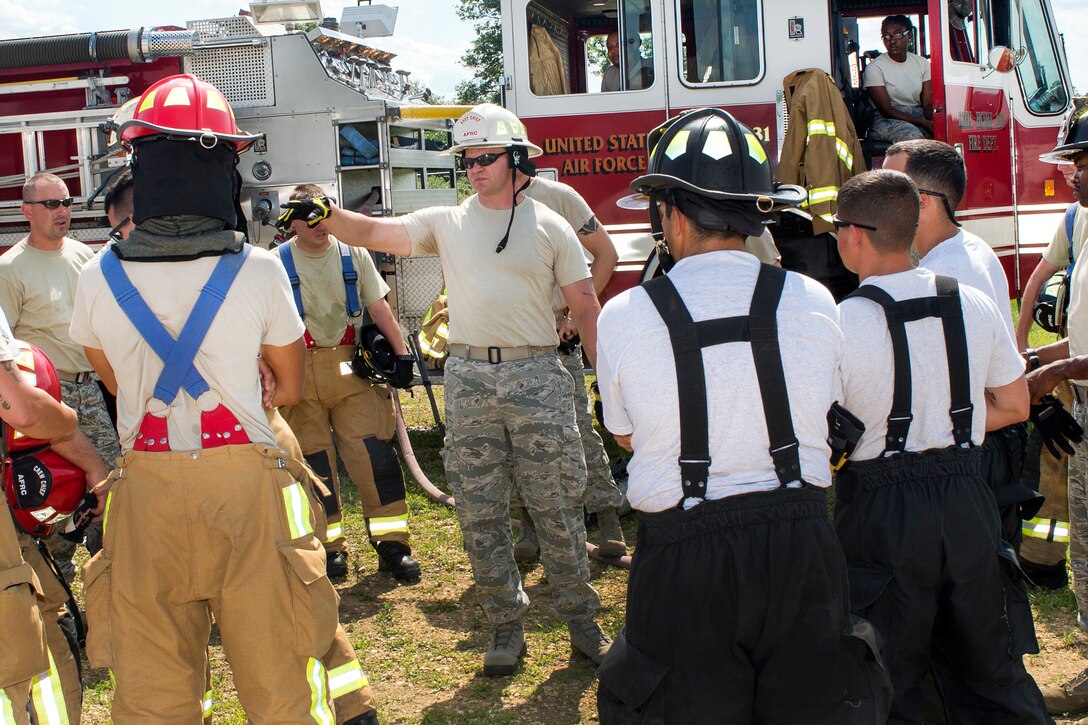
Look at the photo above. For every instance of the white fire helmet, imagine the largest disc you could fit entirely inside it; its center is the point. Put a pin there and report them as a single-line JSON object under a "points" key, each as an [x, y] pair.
{"points": [[488, 125]]}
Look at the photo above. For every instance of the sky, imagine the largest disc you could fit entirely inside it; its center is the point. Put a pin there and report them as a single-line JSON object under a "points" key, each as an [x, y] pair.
{"points": [[429, 39]]}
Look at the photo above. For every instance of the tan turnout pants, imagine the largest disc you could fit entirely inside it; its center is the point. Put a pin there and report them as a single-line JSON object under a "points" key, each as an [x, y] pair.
{"points": [[225, 532], [23, 650], [337, 402]]}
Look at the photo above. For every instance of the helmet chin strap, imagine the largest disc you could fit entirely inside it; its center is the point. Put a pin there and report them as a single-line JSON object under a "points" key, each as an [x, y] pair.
{"points": [[657, 231], [517, 163]]}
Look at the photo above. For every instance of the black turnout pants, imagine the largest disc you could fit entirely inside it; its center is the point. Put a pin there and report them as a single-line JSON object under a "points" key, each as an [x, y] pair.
{"points": [[736, 611], [929, 569]]}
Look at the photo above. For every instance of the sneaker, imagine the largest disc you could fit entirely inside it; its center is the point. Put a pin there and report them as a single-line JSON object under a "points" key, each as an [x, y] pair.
{"points": [[527, 548], [612, 544], [395, 557], [507, 648], [587, 637], [336, 564], [1069, 697]]}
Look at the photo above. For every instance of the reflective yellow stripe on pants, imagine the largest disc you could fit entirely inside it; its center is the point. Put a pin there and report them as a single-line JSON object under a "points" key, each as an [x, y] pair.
{"points": [[387, 525], [47, 697], [1048, 529], [347, 678], [297, 505], [319, 693], [7, 713]]}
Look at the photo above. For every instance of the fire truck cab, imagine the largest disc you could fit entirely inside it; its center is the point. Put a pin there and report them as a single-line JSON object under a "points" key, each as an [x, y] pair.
{"points": [[1000, 86]]}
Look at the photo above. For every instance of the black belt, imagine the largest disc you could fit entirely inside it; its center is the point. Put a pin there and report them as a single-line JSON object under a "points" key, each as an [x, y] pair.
{"points": [[77, 378]]}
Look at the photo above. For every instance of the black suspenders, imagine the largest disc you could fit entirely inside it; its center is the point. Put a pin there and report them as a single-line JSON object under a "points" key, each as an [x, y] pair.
{"points": [[760, 328], [946, 306]]}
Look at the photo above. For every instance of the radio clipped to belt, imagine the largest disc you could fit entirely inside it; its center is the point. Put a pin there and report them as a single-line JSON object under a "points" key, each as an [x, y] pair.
{"points": [[844, 430]]}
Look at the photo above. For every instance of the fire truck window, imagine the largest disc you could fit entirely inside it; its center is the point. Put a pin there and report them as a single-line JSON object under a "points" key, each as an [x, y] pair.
{"points": [[610, 50], [1040, 72], [961, 30], [720, 41]]}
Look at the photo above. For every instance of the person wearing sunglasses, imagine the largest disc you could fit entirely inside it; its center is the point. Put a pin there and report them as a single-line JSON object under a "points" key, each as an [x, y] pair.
{"points": [[943, 247], [915, 515], [37, 291], [899, 85], [509, 401]]}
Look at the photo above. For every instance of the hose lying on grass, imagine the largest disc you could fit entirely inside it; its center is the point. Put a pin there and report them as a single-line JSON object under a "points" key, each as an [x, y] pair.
{"points": [[442, 497]]}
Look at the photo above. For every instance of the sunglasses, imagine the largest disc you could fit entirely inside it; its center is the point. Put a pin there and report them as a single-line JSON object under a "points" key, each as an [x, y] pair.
{"points": [[51, 203], [895, 36], [841, 223], [944, 200], [482, 160]]}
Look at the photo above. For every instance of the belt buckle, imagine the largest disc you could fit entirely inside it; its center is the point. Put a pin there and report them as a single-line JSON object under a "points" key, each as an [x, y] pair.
{"points": [[494, 355]]}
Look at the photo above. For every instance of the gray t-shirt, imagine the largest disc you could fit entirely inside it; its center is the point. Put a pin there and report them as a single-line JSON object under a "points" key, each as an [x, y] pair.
{"points": [[499, 299], [867, 364]]}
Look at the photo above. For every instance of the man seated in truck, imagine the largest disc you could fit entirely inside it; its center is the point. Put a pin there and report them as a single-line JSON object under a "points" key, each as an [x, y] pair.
{"points": [[899, 85]]}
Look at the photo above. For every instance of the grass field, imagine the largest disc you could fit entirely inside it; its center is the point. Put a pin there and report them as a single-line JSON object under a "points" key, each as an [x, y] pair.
{"points": [[422, 645]]}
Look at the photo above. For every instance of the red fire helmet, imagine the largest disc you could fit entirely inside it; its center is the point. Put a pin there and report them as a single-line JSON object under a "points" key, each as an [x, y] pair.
{"points": [[42, 487], [185, 106]]}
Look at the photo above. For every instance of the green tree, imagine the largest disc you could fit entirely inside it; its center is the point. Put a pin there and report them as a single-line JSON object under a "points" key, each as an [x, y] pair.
{"points": [[484, 55]]}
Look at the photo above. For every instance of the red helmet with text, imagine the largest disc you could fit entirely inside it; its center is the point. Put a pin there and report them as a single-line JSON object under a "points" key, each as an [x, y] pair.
{"points": [[42, 487]]}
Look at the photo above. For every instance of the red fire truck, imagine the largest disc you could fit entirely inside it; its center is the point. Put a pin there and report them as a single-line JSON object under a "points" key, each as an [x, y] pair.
{"points": [[680, 54]]}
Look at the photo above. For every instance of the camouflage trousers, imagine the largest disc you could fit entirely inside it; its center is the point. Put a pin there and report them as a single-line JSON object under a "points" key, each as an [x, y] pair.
{"points": [[1078, 504], [523, 412], [94, 422], [601, 491]]}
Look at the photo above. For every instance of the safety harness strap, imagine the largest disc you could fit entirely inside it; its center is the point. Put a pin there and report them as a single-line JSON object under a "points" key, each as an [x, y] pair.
{"points": [[177, 356], [688, 339], [351, 292], [946, 306]]}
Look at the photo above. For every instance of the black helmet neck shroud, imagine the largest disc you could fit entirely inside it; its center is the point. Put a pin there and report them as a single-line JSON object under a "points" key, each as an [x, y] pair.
{"points": [[182, 177]]}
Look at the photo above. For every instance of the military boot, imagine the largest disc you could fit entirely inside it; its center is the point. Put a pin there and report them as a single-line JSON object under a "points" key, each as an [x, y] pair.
{"points": [[336, 564], [587, 637], [395, 557], [527, 549], [1069, 697], [370, 717], [507, 647], [612, 543]]}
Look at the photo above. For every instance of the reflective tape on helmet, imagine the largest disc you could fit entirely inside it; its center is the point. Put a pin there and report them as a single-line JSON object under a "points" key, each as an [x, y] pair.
{"points": [[347, 678], [388, 525], [297, 507], [207, 704], [47, 696], [334, 532], [320, 706], [1047, 529]]}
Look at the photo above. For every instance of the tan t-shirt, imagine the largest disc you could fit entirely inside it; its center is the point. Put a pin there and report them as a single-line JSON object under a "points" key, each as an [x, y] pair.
{"points": [[37, 290], [501, 300], [1057, 252], [763, 247], [258, 310], [903, 81], [324, 299], [562, 199]]}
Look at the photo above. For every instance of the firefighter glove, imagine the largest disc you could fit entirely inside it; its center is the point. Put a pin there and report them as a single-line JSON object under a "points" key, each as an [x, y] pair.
{"points": [[1057, 427], [312, 211], [403, 372]]}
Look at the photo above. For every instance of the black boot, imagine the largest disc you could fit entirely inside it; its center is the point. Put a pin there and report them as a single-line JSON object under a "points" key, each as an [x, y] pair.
{"points": [[367, 718], [396, 557], [336, 564]]}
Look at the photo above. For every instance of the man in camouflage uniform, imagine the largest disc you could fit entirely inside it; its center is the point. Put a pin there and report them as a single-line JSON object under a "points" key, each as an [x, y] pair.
{"points": [[37, 285], [507, 394]]}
